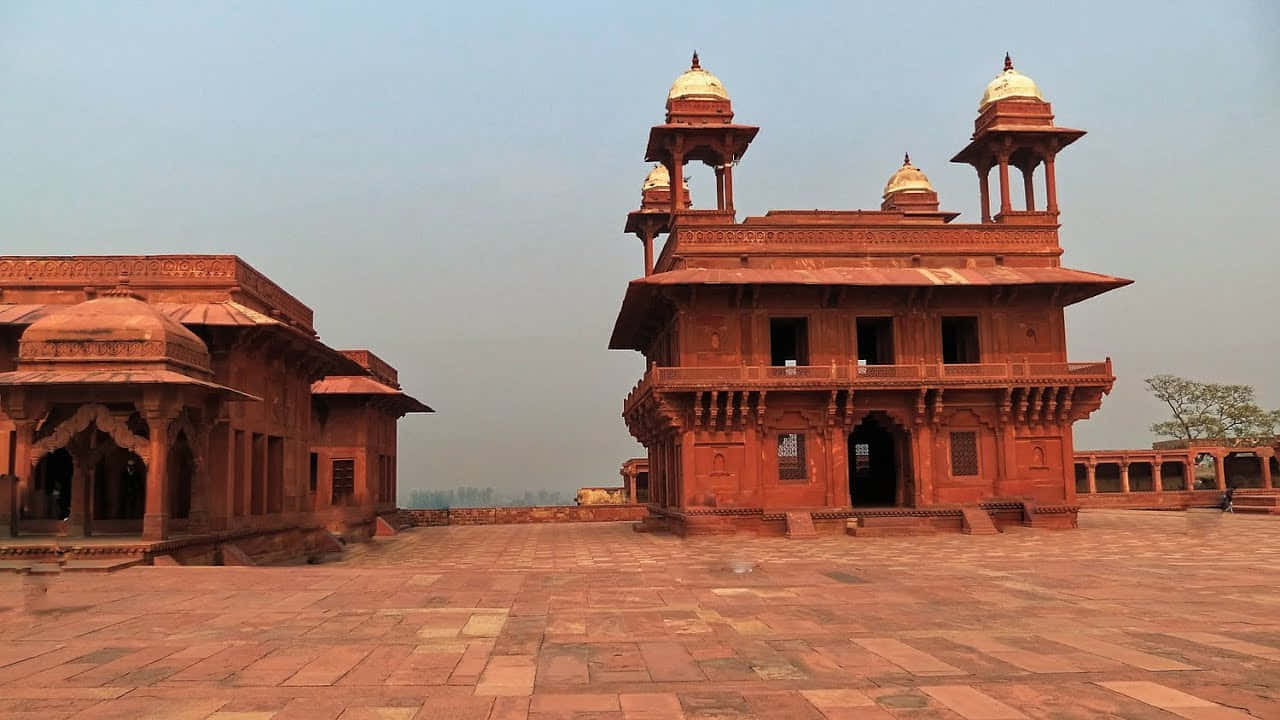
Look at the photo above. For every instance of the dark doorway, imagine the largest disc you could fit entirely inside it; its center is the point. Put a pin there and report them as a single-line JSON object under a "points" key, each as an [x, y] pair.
{"points": [[875, 340], [873, 465], [119, 492], [50, 496], [642, 487], [181, 468], [788, 341], [960, 340]]}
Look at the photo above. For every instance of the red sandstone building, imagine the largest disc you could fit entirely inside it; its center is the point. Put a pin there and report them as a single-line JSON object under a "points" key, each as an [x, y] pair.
{"points": [[185, 399], [834, 361]]}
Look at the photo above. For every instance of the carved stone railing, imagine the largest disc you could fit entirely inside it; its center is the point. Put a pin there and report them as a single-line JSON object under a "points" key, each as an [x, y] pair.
{"points": [[937, 375]]}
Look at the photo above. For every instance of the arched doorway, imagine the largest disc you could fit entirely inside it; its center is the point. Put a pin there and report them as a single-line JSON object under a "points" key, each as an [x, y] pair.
{"points": [[50, 495], [119, 492], [874, 463]]}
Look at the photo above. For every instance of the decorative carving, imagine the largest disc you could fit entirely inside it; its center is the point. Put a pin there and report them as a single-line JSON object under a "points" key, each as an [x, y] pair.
{"points": [[97, 415], [110, 350]]}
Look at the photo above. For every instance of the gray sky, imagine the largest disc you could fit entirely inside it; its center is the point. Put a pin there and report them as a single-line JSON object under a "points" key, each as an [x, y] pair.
{"points": [[447, 185]]}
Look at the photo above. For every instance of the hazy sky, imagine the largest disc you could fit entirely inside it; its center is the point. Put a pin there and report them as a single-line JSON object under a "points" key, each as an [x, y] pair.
{"points": [[447, 185]]}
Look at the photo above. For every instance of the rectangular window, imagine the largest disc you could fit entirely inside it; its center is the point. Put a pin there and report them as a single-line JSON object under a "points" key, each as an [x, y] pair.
{"points": [[960, 340], [788, 341], [875, 340], [861, 457], [964, 453], [791, 465], [344, 481], [314, 478]]}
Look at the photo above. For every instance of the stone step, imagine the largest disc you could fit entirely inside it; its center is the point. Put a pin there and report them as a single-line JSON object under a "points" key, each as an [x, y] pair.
{"points": [[1256, 509], [800, 525], [977, 521], [890, 526]]}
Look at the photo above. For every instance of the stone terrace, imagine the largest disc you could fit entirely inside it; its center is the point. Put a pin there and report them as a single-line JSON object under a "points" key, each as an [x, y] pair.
{"points": [[1136, 615]]}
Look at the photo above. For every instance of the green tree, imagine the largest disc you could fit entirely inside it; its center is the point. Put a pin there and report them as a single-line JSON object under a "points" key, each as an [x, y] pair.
{"points": [[1211, 410]]}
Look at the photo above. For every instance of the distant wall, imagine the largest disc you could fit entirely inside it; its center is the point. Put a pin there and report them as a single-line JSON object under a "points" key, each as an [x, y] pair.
{"points": [[523, 515], [1171, 499]]}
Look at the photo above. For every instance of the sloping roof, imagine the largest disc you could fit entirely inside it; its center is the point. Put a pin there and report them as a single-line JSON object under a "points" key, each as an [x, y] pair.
{"points": [[224, 313], [227, 312], [363, 385], [639, 301], [873, 276], [24, 314], [115, 377]]}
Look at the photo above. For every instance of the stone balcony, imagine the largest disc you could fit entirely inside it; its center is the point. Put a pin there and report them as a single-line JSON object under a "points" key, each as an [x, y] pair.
{"points": [[873, 377]]}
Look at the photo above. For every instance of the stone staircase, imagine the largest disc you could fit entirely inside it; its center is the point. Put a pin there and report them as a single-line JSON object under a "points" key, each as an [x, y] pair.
{"points": [[977, 521], [800, 525], [1256, 501]]}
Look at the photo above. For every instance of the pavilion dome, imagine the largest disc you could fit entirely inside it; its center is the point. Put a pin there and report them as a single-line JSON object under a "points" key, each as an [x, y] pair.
{"points": [[697, 82], [659, 179], [118, 328], [1010, 84], [907, 178]]}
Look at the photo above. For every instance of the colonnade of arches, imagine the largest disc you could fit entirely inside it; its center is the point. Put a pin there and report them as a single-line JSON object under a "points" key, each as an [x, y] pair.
{"points": [[87, 480]]}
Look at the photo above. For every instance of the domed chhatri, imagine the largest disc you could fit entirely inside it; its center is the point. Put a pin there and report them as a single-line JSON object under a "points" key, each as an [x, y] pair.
{"points": [[696, 82], [1010, 84], [908, 178], [119, 328]]}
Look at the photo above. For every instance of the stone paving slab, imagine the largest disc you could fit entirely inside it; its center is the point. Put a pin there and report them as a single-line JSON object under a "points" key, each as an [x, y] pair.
{"points": [[1135, 615]]}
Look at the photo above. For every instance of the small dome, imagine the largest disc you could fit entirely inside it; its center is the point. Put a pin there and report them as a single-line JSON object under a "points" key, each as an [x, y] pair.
{"points": [[119, 328], [696, 82], [907, 178], [659, 179], [1010, 84]]}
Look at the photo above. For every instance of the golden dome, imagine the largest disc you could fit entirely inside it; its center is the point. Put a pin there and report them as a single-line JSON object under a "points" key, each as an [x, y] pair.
{"points": [[909, 178], [1009, 84], [697, 82]]}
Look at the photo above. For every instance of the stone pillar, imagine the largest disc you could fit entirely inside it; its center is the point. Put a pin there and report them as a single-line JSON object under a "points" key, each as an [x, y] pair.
{"points": [[1189, 470], [728, 187], [984, 192], [1266, 471], [155, 521], [22, 470], [1124, 477], [1050, 184], [1092, 470], [79, 494], [648, 249], [1005, 204], [1157, 477], [1028, 187], [719, 187], [677, 178], [1220, 470]]}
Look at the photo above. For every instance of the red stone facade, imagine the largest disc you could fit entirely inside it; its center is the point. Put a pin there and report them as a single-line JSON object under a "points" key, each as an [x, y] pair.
{"points": [[179, 396], [832, 360]]}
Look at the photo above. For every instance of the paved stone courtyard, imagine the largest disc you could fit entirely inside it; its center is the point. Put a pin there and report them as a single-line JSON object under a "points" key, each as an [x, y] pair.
{"points": [[1136, 615]]}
